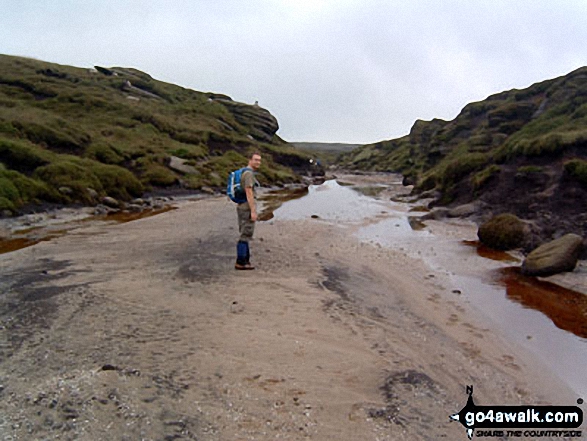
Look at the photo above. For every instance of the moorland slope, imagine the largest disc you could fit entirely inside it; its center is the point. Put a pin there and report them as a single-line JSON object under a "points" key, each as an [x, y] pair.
{"points": [[76, 135], [518, 151]]}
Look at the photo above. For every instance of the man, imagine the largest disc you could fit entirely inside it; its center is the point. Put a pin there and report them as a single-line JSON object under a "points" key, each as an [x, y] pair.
{"points": [[247, 214]]}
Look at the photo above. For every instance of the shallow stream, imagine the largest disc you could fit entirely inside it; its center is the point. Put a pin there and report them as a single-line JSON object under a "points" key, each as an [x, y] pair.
{"points": [[541, 317]]}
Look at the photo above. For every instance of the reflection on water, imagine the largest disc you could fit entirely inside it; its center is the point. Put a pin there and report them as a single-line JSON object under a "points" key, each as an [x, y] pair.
{"points": [[276, 198], [372, 190], [331, 202], [566, 308], [489, 253]]}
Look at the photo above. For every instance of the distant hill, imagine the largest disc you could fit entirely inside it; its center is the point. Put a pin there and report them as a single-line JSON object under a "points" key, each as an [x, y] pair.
{"points": [[332, 147], [519, 151], [327, 153], [75, 135]]}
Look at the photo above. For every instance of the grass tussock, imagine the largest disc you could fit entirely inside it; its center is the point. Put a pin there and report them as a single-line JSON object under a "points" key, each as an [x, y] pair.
{"points": [[577, 169]]}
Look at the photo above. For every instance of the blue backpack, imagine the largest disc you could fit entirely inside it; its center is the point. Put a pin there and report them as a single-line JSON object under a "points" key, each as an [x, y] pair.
{"points": [[234, 189]]}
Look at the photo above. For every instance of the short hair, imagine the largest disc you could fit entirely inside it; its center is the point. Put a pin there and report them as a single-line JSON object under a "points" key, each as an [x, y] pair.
{"points": [[253, 154]]}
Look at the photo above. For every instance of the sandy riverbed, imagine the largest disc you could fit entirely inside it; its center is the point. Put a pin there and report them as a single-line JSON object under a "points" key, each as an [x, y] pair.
{"points": [[144, 330]]}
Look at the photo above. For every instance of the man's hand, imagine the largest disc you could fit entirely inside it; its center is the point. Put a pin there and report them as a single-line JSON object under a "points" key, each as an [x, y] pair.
{"points": [[252, 204]]}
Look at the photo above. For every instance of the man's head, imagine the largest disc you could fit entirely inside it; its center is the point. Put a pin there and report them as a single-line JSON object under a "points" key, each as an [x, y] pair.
{"points": [[255, 161]]}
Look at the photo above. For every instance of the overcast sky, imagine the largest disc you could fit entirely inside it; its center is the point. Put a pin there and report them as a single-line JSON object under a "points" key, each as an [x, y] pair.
{"points": [[355, 71]]}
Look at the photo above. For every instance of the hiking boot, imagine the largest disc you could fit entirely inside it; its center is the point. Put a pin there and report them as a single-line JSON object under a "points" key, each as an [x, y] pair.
{"points": [[246, 266]]}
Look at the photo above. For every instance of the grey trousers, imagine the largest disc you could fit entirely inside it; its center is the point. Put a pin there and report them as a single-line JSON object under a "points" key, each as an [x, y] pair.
{"points": [[246, 226]]}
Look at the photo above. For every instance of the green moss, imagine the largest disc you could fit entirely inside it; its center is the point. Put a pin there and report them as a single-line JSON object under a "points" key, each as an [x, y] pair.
{"points": [[6, 127], [105, 153], [462, 166], [428, 182], [577, 169], [7, 205], [80, 175], [193, 152], [529, 169], [57, 136], [364, 156], [484, 176], [503, 232], [158, 175], [511, 111], [19, 189], [271, 175], [7, 188], [480, 142], [116, 181], [22, 156], [70, 174], [193, 181]]}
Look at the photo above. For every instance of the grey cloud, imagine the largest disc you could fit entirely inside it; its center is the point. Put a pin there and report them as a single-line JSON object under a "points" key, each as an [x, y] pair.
{"points": [[345, 70]]}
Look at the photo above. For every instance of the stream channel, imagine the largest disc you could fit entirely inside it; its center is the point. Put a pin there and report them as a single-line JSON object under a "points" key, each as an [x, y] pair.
{"points": [[545, 319]]}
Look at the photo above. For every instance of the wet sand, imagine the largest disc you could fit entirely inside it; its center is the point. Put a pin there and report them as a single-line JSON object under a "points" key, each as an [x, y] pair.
{"points": [[144, 330]]}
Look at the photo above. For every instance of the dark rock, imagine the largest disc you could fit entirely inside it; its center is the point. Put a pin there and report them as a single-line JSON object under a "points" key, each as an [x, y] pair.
{"points": [[179, 165], [110, 202], [465, 210], [92, 193], [437, 213], [263, 124], [134, 208], [107, 72], [416, 223], [423, 131], [430, 194], [503, 232], [557, 256], [408, 180], [128, 87]]}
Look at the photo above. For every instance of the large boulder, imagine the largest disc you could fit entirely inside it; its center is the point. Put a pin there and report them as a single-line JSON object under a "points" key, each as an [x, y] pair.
{"points": [[465, 210], [180, 165], [503, 232], [554, 257]]}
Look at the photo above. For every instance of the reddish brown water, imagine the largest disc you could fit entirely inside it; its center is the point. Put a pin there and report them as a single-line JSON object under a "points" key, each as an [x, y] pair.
{"points": [[32, 236], [488, 253], [566, 308], [122, 216], [9, 245]]}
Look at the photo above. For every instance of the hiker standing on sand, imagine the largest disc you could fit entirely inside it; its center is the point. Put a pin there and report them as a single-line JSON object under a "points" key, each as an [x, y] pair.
{"points": [[247, 214]]}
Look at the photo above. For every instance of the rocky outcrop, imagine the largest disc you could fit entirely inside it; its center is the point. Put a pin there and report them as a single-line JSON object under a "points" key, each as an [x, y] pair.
{"points": [[554, 257], [180, 165], [128, 87], [263, 125], [423, 131], [503, 232]]}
